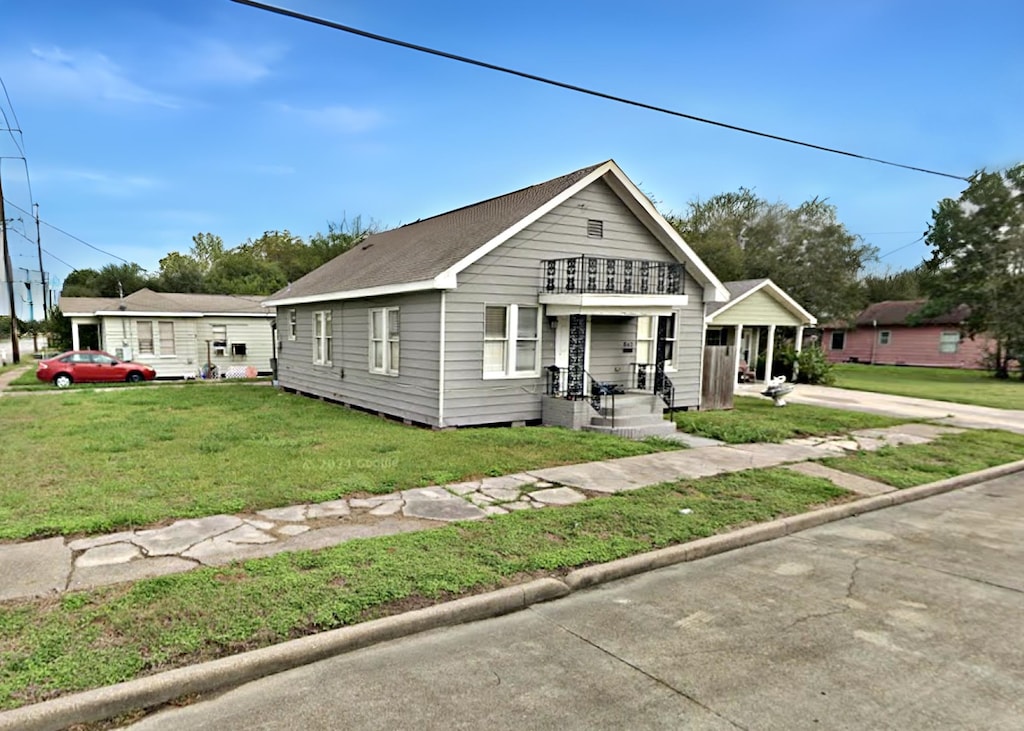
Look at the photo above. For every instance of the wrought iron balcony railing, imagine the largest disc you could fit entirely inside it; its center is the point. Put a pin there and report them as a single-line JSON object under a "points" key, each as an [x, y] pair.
{"points": [[597, 275]]}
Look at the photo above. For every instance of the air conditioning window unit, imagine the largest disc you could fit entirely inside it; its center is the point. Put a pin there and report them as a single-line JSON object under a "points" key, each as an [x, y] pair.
{"points": [[123, 354]]}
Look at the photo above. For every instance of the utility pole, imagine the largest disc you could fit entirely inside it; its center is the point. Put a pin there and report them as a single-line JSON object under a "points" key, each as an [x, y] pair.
{"points": [[9, 269], [42, 272]]}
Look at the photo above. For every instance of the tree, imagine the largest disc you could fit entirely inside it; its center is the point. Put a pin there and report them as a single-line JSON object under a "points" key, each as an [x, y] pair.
{"points": [[805, 250], [907, 284], [180, 273], [240, 272], [977, 243], [80, 283]]}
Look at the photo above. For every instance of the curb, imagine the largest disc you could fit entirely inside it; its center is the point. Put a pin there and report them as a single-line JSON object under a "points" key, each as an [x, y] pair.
{"points": [[111, 701]]}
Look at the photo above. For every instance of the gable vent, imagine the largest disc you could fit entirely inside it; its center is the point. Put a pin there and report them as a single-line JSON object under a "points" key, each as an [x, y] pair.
{"points": [[595, 229]]}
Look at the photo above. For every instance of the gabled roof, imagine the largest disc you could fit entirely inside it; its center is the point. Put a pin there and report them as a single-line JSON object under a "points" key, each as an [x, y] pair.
{"points": [[898, 312], [429, 254], [744, 288], [146, 301]]}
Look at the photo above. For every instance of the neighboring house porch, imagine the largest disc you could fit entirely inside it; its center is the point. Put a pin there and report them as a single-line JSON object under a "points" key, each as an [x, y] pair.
{"points": [[758, 309]]}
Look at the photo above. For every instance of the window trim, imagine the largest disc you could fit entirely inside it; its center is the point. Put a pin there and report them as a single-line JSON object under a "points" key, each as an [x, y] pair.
{"points": [[721, 335], [955, 344], [832, 340], [511, 341], [151, 339], [884, 337], [219, 351], [293, 323], [325, 334], [387, 367], [670, 366], [160, 338]]}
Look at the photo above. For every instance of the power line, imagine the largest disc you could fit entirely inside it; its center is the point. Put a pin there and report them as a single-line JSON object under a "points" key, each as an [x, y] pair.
{"points": [[580, 89], [71, 236], [901, 248]]}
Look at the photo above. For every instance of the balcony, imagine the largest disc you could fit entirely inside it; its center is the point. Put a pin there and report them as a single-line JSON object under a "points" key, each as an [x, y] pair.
{"points": [[596, 285]]}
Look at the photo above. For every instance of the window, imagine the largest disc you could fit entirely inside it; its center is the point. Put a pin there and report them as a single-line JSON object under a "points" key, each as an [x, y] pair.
{"points": [[838, 341], [717, 336], [238, 349], [949, 342], [595, 229], [647, 338], [385, 350], [145, 331], [511, 341], [166, 337], [884, 336], [292, 324], [220, 340], [322, 335]]}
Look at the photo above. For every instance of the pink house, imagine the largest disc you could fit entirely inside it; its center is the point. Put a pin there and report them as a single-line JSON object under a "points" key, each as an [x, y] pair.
{"points": [[881, 334]]}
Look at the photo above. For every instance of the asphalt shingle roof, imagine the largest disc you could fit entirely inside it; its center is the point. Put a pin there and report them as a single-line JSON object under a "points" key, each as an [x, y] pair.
{"points": [[422, 250], [146, 300], [897, 312], [736, 289]]}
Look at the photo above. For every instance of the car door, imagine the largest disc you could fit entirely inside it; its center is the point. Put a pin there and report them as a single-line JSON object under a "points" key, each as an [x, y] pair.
{"points": [[81, 367], [105, 368]]}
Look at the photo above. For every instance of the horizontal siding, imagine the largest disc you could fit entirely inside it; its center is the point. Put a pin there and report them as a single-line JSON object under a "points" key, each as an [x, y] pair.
{"points": [[607, 361], [907, 346], [190, 335], [412, 395], [511, 274], [689, 347], [759, 308]]}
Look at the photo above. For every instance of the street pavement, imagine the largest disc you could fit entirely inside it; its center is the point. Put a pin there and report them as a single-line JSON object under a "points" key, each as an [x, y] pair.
{"points": [[906, 618]]}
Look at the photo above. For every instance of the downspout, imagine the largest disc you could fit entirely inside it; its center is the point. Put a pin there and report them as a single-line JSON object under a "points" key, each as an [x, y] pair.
{"points": [[440, 365]]}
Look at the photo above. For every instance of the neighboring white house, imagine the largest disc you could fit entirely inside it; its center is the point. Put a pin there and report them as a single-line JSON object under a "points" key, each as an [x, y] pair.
{"points": [[502, 311], [177, 334]]}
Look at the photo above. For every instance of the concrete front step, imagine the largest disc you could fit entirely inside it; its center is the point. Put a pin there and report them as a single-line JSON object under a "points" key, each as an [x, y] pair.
{"points": [[632, 405], [628, 420], [636, 432]]}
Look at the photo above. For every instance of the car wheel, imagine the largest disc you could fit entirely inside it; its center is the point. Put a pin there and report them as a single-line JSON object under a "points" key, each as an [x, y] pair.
{"points": [[62, 380], [134, 377]]}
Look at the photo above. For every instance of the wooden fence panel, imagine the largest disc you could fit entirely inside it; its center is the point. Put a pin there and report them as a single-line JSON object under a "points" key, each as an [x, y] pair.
{"points": [[719, 378]]}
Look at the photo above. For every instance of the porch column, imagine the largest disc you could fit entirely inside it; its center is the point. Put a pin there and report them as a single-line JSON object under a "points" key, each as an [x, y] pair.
{"points": [[739, 353], [799, 344], [74, 336], [577, 355], [769, 354]]}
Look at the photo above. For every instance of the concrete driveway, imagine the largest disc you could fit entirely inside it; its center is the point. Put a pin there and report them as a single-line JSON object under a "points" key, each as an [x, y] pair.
{"points": [[907, 618], [976, 417]]}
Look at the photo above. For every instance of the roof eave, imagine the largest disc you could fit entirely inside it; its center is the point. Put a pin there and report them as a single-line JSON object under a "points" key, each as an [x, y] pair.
{"points": [[445, 280]]}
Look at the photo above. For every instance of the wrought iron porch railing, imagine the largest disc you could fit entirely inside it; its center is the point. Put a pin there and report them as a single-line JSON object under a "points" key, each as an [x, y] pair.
{"points": [[652, 377], [596, 275], [601, 396]]}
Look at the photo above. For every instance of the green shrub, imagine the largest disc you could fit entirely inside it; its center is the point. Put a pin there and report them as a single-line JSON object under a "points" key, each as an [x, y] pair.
{"points": [[812, 366]]}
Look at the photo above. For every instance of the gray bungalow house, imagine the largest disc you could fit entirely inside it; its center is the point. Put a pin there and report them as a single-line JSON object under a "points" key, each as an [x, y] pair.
{"points": [[528, 307]]}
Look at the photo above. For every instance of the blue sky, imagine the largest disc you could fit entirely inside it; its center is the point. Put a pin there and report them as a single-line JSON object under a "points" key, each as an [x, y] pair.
{"points": [[147, 121]]}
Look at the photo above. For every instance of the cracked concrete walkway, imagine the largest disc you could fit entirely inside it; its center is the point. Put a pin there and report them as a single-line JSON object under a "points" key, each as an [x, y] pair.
{"points": [[54, 565]]}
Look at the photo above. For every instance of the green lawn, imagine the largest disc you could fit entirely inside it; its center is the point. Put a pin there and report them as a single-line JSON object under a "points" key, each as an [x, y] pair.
{"points": [[759, 420], [948, 456], [99, 637], [100, 460], [53, 646], [942, 384]]}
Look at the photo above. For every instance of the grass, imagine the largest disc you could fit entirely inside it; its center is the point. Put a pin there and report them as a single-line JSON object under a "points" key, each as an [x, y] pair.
{"points": [[758, 420], [96, 461], [948, 456], [956, 385], [89, 639]]}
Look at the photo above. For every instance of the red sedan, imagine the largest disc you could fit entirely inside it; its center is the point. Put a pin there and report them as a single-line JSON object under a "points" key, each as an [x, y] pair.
{"points": [[91, 366]]}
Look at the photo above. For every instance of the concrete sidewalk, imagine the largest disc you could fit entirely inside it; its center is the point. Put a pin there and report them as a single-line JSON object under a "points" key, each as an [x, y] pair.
{"points": [[55, 565]]}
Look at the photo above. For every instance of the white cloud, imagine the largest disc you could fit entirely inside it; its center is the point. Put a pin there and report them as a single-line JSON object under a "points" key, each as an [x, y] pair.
{"points": [[215, 62], [87, 76], [338, 118], [97, 181]]}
